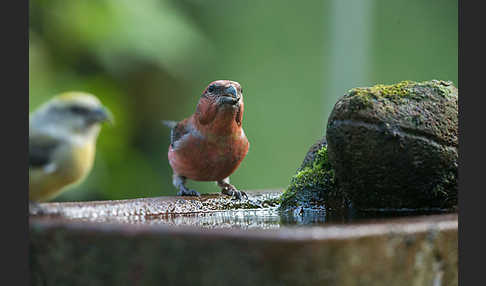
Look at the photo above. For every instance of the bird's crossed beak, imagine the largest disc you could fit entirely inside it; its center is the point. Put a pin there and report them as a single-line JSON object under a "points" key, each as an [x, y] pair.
{"points": [[230, 95], [101, 114]]}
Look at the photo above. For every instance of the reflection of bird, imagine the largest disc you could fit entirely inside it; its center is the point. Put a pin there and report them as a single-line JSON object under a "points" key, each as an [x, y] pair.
{"points": [[62, 142], [210, 145]]}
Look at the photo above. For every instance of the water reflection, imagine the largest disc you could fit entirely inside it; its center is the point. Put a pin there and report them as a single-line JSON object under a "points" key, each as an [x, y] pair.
{"points": [[268, 218]]}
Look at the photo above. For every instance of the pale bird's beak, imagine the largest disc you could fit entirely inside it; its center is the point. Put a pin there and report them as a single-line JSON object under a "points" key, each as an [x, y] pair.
{"points": [[101, 115]]}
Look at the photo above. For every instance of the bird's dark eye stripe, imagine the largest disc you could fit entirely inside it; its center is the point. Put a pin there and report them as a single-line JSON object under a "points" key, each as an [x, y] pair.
{"points": [[211, 88], [78, 109]]}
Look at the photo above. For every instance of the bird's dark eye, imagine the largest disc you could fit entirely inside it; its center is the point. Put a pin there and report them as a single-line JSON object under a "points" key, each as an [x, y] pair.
{"points": [[78, 109], [211, 88]]}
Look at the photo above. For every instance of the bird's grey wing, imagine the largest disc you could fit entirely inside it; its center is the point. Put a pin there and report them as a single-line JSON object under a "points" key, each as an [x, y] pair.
{"points": [[41, 150], [176, 133]]}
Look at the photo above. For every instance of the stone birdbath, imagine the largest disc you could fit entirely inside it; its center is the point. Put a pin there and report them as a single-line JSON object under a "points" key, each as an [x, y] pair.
{"points": [[341, 221]]}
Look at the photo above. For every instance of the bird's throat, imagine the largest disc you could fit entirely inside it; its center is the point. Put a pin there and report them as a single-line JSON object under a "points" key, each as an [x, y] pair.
{"points": [[227, 122]]}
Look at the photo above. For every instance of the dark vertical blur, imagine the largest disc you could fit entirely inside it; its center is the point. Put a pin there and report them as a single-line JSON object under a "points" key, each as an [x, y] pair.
{"points": [[149, 60]]}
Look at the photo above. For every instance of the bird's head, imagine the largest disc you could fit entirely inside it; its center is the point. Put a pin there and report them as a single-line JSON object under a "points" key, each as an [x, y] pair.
{"points": [[223, 98], [224, 93], [75, 113]]}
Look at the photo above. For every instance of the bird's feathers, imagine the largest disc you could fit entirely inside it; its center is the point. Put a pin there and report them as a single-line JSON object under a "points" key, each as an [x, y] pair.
{"points": [[41, 150], [177, 133], [177, 130]]}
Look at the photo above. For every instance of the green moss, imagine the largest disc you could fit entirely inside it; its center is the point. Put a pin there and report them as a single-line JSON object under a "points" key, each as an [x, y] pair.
{"points": [[398, 93], [311, 183], [361, 101]]}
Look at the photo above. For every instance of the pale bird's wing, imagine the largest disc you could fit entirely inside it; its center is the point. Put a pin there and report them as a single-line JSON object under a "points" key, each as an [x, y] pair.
{"points": [[41, 150]]}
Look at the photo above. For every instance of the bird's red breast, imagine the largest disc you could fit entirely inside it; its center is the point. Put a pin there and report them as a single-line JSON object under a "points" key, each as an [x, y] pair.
{"points": [[210, 145]]}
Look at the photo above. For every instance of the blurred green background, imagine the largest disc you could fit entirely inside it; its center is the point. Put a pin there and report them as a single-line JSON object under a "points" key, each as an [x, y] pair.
{"points": [[150, 60]]}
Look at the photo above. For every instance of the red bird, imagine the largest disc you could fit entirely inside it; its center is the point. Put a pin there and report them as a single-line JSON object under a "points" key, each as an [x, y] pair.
{"points": [[210, 145]]}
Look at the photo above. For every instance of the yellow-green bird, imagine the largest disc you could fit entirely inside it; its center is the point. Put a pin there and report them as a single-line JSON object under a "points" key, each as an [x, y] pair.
{"points": [[62, 142]]}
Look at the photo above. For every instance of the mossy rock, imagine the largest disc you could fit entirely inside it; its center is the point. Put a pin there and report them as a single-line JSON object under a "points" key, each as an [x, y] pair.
{"points": [[313, 184], [396, 146]]}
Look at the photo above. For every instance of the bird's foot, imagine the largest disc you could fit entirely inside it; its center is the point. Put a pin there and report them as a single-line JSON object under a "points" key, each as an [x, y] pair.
{"points": [[180, 183], [188, 192], [230, 190]]}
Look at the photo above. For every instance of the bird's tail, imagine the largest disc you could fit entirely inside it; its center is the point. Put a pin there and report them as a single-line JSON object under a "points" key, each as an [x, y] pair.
{"points": [[169, 123]]}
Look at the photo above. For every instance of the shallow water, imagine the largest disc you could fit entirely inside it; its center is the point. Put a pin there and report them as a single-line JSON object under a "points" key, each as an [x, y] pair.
{"points": [[268, 218], [259, 211]]}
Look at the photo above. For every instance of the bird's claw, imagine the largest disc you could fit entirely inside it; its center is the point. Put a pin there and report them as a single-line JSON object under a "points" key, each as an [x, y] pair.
{"points": [[186, 192], [241, 194], [234, 193]]}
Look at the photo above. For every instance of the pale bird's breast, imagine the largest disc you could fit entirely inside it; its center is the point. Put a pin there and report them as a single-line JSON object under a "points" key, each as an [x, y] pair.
{"points": [[82, 160]]}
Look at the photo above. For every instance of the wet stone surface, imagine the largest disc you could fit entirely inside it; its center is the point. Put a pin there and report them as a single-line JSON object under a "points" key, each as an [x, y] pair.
{"points": [[156, 206]]}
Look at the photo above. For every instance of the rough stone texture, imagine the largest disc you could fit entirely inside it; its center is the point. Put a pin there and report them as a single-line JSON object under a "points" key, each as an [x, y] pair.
{"points": [[396, 146], [420, 251]]}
